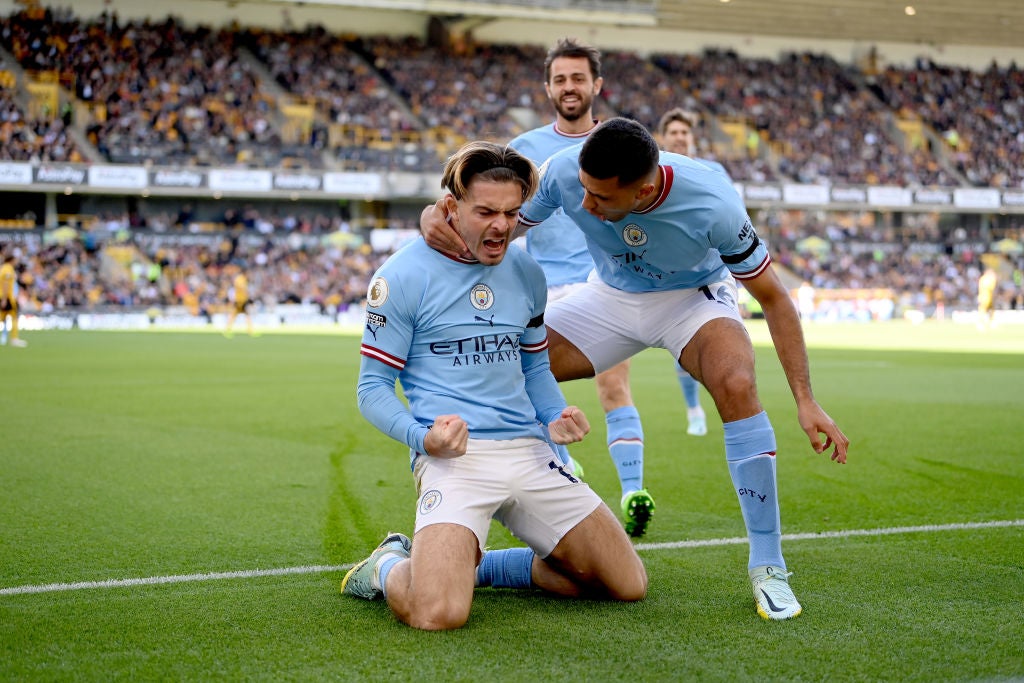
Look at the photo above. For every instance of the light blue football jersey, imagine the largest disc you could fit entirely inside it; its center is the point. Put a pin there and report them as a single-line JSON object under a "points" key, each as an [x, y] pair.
{"points": [[695, 233], [556, 243], [711, 163], [464, 339]]}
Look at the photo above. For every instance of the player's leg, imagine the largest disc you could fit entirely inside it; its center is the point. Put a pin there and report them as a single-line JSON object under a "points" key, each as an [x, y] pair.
{"points": [[3, 327], [625, 446], [15, 339], [458, 497], [625, 434], [585, 550], [596, 559], [232, 314], [433, 590], [697, 423], [248, 319], [722, 357], [367, 578], [587, 332], [567, 361]]}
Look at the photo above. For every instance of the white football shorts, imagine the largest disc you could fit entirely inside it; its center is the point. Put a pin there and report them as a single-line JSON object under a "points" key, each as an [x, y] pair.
{"points": [[517, 482], [609, 325], [561, 291]]}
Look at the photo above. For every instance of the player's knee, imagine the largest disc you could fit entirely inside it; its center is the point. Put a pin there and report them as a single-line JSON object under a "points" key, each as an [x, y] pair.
{"points": [[737, 384], [440, 615], [633, 584], [612, 397]]}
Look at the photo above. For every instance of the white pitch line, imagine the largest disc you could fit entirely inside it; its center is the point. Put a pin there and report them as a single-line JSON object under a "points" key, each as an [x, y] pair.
{"points": [[320, 568], [925, 528], [178, 578]]}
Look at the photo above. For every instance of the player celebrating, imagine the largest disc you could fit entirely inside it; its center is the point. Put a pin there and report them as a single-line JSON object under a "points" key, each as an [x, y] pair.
{"points": [[669, 236], [467, 341]]}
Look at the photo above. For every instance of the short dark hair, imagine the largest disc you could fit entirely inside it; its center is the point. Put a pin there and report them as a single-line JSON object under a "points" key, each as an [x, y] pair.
{"points": [[619, 148], [568, 47], [491, 161]]}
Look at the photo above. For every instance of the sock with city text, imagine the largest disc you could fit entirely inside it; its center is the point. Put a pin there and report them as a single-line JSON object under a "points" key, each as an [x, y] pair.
{"points": [[626, 446], [750, 452]]}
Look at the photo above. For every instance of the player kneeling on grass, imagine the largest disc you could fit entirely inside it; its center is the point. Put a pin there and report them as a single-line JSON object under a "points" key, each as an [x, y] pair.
{"points": [[466, 337]]}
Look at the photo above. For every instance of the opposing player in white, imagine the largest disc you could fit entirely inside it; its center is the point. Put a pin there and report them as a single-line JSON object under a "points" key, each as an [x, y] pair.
{"points": [[466, 338]]}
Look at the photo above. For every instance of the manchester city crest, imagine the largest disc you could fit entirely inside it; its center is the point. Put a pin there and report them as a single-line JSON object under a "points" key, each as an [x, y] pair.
{"points": [[634, 235], [482, 297], [430, 500]]}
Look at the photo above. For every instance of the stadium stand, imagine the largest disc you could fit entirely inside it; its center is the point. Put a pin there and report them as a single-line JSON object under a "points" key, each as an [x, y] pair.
{"points": [[163, 92]]}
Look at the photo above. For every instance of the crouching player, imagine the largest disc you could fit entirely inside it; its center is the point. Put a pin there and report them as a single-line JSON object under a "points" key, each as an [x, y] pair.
{"points": [[466, 337]]}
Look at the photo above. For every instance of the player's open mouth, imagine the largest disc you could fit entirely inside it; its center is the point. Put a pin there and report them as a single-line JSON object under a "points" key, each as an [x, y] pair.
{"points": [[494, 244]]}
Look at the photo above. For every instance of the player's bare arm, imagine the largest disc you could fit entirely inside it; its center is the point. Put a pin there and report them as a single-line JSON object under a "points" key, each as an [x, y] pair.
{"points": [[788, 338]]}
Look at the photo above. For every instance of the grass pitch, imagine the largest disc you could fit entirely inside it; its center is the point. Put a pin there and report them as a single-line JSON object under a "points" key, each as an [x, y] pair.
{"points": [[128, 459]]}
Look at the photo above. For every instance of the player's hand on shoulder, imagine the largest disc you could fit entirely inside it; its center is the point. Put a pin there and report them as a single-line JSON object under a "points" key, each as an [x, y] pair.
{"points": [[570, 427], [447, 437], [439, 233]]}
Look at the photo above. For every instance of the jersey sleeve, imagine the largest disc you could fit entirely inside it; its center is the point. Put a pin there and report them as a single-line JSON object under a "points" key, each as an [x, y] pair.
{"points": [[387, 338], [742, 251], [547, 199], [541, 386]]}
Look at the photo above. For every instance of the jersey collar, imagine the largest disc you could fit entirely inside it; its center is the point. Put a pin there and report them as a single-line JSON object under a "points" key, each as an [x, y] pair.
{"points": [[666, 185], [559, 131], [458, 259]]}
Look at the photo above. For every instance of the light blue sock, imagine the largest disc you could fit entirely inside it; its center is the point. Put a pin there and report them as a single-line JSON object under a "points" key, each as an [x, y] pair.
{"points": [[386, 565], [750, 452], [690, 386], [511, 568], [626, 446]]}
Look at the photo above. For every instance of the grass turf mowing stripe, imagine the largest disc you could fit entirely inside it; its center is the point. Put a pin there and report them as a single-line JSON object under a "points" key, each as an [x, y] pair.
{"points": [[315, 569]]}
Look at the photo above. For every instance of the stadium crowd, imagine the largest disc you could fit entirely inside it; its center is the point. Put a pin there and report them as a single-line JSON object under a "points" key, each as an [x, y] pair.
{"points": [[32, 139], [916, 266], [158, 92], [163, 92], [980, 115], [171, 94], [102, 272]]}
